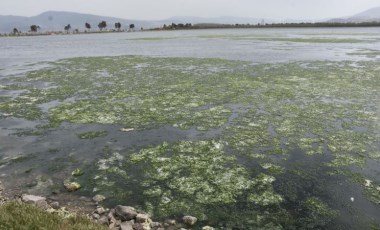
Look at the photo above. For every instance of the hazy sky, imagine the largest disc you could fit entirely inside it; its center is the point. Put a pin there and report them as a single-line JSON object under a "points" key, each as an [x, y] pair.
{"points": [[161, 9]]}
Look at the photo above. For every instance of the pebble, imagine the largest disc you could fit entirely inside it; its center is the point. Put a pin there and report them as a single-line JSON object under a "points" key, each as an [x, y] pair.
{"points": [[55, 205], [98, 198], [189, 220]]}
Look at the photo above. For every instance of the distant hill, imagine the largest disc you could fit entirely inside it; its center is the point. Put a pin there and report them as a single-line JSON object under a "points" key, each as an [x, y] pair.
{"points": [[370, 15], [56, 20]]}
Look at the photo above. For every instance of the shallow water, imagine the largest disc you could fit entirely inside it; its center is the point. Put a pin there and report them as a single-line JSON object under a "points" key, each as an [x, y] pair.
{"points": [[239, 44], [288, 119]]}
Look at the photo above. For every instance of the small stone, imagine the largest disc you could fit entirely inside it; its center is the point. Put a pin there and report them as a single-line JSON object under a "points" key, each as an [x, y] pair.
{"points": [[111, 214], [71, 186], [77, 172], [127, 225], [142, 218], [170, 222], [352, 199], [146, 225], [125, 213], [95, 216], [98, 198], [39, 201], [103, 220], [115, 224], [100, 210], [138, 226], [189, 220], [55, 205], [207, 228], [368, 183], [155, 225]]}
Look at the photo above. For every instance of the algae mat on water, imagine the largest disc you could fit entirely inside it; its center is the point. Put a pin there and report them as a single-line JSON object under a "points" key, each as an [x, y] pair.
{"points": [[270, 138]]}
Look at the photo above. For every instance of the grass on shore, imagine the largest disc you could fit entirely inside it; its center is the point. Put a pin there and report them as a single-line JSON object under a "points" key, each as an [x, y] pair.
{"points": [[18, 215]]}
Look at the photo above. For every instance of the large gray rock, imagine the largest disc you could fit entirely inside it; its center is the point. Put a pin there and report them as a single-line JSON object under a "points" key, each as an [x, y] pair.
{"points": [[39, 201], [125, 213], [189, 220]]}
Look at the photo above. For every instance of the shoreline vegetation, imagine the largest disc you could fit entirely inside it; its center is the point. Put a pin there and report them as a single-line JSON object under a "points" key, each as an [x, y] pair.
{"points": [[180, 26]]}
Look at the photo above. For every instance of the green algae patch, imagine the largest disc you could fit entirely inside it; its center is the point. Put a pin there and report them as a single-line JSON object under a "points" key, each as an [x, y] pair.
{"points": [[92, 134], [366, 53], [265, 37], [189, 177], [315, 40]]}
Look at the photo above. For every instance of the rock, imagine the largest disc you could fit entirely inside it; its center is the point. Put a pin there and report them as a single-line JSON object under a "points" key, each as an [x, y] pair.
{"points": [[155, 225], [77, 172], [96, 216], [207, 228], [170, 222], [189, 220], [115, 224], [126, 225], [111, 214], [100, 210], [146, 225], [71, 186], [142, 218], [138, 226], [39, 201], [55, 205], [125, 213], [103, 220], [98, 198]]}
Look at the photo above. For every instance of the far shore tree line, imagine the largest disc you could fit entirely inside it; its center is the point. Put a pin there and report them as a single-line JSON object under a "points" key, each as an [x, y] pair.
{"points": [[102, 27]]}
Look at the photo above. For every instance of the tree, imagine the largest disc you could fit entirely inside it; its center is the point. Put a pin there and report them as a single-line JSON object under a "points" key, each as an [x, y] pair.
{"points": [[102, 25], [34, 28], [88, 26], [132, 26], [15, 31], [118, 26], [67, 28]]}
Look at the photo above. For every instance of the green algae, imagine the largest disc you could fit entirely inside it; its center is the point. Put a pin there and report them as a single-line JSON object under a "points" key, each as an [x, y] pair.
{"points": [[264, 37], [261, 113], [367, 53], [315, 40], [150, 39]]}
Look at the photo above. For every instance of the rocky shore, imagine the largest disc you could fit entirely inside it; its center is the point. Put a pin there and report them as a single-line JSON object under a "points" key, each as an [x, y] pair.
{"points": [[118, 218]]}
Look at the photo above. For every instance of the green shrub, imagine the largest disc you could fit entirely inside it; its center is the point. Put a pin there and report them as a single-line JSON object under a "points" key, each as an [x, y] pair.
{"points": [[17, 215]]}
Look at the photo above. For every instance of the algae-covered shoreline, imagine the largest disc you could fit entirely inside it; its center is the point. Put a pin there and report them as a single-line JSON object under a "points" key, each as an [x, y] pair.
{"points": [[238, 145]]}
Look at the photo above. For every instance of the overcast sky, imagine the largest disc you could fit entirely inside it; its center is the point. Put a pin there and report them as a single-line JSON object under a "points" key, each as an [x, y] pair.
{"points": [[161, 9]]}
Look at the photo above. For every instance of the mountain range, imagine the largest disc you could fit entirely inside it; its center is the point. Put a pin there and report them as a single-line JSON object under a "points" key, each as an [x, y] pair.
{"points": [[57, 20], [371, 15]]}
